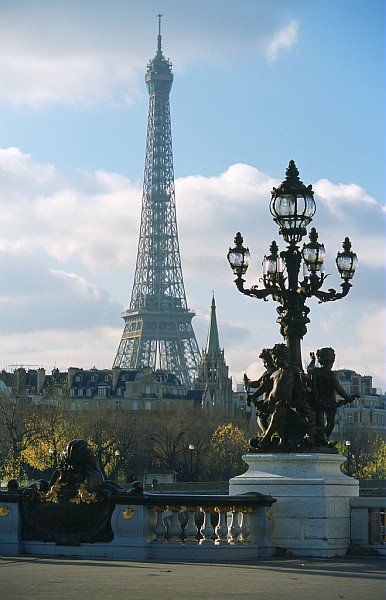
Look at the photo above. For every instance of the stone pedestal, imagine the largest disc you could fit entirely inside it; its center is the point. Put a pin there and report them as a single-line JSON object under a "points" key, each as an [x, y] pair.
{"points": [[312, 514]]}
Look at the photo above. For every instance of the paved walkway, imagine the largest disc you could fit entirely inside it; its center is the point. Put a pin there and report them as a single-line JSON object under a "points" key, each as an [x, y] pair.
{"points": [[29, 577]]}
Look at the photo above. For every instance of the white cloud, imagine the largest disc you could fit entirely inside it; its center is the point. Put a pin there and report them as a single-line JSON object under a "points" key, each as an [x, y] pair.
{"points": [[68, 246], [337, 196], [283, 39], [349, 210], [68, 53], [358, 340], [61, 348], [369, 356], [82, 80], [89, 217], [34, 297]]}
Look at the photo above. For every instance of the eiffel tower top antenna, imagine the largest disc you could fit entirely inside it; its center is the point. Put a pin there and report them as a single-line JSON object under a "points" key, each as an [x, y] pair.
{"points": [[159, 16]]}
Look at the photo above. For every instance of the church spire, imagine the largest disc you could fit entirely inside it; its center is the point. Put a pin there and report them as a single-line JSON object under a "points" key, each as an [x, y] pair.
{"points": [[213, 343], [213, 374]]}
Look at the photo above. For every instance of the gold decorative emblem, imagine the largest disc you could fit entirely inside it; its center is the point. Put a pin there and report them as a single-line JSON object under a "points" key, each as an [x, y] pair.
{"points": [[174, 508], [207, 509], [52, 494], [226, 509], [128, 513], [84, 495], [4, 510]]}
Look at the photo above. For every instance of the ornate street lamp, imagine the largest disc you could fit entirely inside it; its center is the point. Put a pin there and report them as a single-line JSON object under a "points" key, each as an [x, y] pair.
{"points": [[348, 446], [293, 207], [191, 450]]}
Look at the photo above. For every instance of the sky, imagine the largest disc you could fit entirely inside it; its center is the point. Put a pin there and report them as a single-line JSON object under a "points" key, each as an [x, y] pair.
{"points": [[256, 84]]}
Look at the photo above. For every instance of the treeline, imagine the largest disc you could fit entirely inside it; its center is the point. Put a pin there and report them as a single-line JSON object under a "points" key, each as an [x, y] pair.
{"points": [[126, 444], [366, 453]]}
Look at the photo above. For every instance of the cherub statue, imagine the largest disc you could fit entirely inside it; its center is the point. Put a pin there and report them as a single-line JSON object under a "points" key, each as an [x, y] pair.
{"points": [[263, 386], [292, 418], [323, 385]]}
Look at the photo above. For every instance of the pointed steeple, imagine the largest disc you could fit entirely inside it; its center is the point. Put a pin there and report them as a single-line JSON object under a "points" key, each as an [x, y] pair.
{"points": [[213, 374], [213, 343]]}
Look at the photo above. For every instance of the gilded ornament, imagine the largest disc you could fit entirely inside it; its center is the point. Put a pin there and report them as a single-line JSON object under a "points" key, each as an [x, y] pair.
{"points": [[84, 495], [4, 510], [52, 494], [221, 509], [238, 509], [207, 509], [128, 513], [174, 508]]}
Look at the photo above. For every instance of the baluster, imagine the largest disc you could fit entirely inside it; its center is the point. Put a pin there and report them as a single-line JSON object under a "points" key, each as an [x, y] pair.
{"points": [[206, 529], [221, 529], [245, 529], [234, 528], [160, 528], [191, 527], [175, 527]]}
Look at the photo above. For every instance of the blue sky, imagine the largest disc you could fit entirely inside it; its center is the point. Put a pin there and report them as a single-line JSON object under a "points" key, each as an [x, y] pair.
{"points": [[256, 84]]}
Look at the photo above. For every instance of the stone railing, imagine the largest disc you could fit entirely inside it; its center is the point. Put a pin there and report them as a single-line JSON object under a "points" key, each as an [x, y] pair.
{"points": [[161, 526], [368, 522]]}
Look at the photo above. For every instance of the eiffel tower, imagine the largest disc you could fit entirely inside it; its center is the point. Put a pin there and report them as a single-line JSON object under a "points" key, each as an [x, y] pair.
{"points": [[158, 330]]}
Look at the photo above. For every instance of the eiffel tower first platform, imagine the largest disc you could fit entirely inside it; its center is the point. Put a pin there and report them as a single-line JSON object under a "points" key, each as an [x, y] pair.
{"points": [[158, 330]]}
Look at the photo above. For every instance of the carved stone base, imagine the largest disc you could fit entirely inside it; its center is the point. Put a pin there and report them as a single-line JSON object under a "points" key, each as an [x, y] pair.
{"points": [[65, 523], [312, 514]]}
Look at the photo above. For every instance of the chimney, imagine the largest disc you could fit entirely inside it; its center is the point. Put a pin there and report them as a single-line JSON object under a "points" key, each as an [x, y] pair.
{"points": [[40, 378], [71, 375], [116, 373], [20, 380]]}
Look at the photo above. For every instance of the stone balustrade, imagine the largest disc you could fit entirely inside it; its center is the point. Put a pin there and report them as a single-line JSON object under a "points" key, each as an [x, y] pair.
{"points": [[161, 526], [368, 522]]}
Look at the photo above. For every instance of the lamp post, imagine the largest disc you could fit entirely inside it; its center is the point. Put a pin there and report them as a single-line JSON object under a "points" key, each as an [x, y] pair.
{"points": [[191, 450], [51, 453], [293, 207], [348, 445], [117, 454]]}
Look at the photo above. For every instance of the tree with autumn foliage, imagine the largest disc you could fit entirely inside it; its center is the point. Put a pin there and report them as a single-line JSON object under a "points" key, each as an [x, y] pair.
{"points": [[115, 437], [227, 445], [18, 432], [367, 454], [54, 427]]}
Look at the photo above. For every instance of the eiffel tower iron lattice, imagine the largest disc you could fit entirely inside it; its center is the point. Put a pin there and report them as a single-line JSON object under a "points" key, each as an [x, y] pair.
{"points": [[158, 330]]}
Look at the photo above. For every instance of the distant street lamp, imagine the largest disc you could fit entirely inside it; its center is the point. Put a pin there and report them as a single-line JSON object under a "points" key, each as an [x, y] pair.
{"points": [[348, 445], [293, 207], [191, 450], [117, 454], [51, 453]]}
